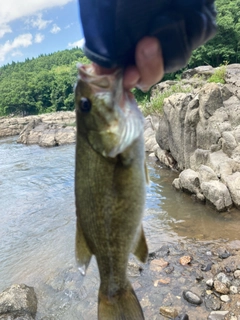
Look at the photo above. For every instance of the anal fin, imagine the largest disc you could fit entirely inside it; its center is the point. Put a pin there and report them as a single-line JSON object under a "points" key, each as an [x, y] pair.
{"points": [[141, 248], [82, 252]]}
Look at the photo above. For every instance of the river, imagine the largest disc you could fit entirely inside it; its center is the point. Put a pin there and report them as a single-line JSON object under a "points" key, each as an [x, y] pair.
{"points": [[37, 228]]}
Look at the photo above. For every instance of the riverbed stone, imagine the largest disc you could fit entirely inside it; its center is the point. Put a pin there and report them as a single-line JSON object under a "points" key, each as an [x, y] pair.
{"points": [[225, 298], [237, 274], [221, 276], [233, 290], [220, 287], [212, 303], [218, 194], [217, 315], [169, 312], [192, 298], [18, 300]]}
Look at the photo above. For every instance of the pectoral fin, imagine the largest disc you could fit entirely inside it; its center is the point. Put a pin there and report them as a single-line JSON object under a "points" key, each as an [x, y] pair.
{"points": [[82, 251], [141, 248]]}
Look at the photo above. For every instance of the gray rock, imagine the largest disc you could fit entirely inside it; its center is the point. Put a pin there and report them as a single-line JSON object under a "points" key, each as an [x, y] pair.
{"points": [[217, 315], [192, 297], [206, 174], [212, 303], [18, 300], [217, 193], [223, 279]]}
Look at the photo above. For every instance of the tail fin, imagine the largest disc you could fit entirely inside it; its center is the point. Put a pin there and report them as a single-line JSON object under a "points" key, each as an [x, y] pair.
{"points": [[122, 306]]}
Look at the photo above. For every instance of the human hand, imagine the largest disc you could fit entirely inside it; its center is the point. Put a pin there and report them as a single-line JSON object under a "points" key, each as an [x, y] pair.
{"points": [[149, 68]]}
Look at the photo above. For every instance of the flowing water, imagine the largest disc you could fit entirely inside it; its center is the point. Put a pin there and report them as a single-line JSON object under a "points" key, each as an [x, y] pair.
{"points": [[37, 228]]}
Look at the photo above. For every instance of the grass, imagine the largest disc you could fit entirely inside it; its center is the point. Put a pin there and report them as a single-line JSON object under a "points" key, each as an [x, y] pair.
{"points": [[155, 106], [219, 75]]}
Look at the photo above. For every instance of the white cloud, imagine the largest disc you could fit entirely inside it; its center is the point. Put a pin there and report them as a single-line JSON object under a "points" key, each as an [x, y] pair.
{"points": [[16, 53], [24, 40], [38, 22], [38, 38], [80, 43], [4, 28], [15, 9], [55, 29]]}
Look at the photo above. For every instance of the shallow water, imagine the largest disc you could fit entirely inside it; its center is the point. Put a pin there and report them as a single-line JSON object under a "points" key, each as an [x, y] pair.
{"points": [[37, 226]]}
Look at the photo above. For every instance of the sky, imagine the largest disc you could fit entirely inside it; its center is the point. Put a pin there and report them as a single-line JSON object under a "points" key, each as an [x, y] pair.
{"points": [[29, 28]]}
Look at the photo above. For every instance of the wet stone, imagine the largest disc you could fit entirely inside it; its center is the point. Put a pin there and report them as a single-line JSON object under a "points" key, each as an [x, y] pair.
{"points": [[158, 264], [192, 297], [168, 312], [169, 270], [212, 303], [185, 260], [224, 255], [182, 317], [221, 287], [217, 315], [207, 267]]}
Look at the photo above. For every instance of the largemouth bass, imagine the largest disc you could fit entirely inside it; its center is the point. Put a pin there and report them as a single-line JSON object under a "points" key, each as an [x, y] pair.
{"points": [[110, 181]]}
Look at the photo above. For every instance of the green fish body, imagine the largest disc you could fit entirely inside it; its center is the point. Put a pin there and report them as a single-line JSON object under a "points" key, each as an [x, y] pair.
{"points": [[110, 181]]}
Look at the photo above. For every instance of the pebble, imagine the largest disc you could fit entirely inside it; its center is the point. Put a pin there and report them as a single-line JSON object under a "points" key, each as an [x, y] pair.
{"points": [[212, 303], [225, 298], [169, 270], [224, 255], [209, 282], [185, 260], [158, 264], [168, 312], [223, 278], [192, 297], [182, 317], [233, 290], [217, 315], [221, 287], [237, 274], [207, 267]]}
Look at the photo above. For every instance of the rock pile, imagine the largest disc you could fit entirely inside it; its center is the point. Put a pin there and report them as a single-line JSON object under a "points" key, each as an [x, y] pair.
{"points": [[199, 134]]}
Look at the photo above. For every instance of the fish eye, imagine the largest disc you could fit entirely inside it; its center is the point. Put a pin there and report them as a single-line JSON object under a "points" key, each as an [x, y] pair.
{"points": [[85, 105]]}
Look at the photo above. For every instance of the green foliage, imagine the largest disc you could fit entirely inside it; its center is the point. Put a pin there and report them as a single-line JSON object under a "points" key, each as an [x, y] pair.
{"points": [[156, 102], [219, 75], [226, 44], [40, 85], [140, 96]]}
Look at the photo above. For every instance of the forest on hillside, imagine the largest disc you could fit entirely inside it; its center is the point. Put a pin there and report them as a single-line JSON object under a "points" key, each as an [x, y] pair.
{"points": [[45, 84]]}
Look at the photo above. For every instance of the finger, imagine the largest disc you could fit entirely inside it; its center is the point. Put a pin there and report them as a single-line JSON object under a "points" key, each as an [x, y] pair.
{"points": [[149, 62], [131, 77]]}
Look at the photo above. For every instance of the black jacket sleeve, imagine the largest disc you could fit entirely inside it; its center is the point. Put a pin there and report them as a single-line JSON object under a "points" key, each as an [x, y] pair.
{"points": [[112, 29]]}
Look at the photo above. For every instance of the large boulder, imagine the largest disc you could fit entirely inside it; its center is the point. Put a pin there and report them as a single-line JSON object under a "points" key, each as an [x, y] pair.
{"points": [[47, 134], [18, 302]]}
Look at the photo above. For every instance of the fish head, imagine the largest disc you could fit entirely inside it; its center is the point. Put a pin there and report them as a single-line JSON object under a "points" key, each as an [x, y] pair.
{"points": [[107, 115]]}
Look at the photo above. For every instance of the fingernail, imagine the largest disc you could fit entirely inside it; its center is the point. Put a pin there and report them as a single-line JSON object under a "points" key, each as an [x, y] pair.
{"points": [[142, 87]]}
